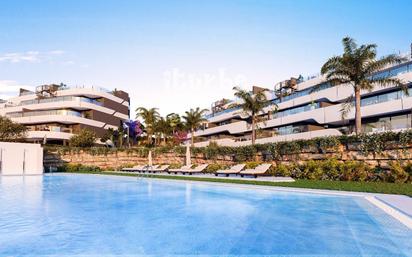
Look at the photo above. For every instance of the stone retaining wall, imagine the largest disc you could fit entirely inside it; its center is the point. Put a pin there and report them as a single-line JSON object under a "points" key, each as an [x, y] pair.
{"points": [[118, 159]]}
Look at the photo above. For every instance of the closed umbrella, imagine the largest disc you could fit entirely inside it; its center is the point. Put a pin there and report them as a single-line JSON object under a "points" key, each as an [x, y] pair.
{"points": [[150, 158], [188, 161]]}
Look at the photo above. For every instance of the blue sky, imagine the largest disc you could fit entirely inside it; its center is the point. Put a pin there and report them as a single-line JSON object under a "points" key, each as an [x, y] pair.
{"points": [[181, 54]]}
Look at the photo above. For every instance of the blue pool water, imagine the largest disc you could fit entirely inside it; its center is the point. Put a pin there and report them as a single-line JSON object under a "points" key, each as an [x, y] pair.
{"points": [[64, 215]]}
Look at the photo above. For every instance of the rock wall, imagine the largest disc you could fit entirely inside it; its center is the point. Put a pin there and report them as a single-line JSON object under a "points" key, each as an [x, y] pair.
{"points": [[119, 159]]}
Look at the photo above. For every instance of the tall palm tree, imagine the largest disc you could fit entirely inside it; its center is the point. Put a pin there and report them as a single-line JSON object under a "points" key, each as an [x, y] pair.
{"points": [[161, 129], [150, 117], [174, 122], [252, 105], [355, 67], [193, 119]]}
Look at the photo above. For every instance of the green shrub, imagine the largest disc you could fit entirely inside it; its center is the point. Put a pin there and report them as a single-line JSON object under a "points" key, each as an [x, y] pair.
{"points": [[175, 165], [211, 168], [408, 169], [311, 170], [85, 138], [281, 170], [327, 144], [331, 169], [397, 173], [354, 171], [251, 165], [77, 167]]}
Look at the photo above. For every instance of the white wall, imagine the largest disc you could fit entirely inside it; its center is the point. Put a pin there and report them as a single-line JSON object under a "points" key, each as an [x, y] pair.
{"points": [[21, 159]]}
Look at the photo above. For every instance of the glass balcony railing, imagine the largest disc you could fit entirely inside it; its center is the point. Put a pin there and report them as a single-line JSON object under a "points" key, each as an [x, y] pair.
{"points": [[95, 88], [61, 99], [45, 113], [305, 108], [395, 95]]}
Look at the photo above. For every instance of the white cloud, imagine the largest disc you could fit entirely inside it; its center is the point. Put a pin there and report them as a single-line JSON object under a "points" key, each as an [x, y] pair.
{"points": [[10, 88], [30, 56]]}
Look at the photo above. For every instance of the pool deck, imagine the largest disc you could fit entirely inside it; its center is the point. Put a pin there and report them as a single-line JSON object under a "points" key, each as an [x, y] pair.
{"points": [[205, 175]]}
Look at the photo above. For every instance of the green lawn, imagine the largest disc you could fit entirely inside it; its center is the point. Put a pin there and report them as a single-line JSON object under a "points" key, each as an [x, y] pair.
{"points": [[372, 187]]}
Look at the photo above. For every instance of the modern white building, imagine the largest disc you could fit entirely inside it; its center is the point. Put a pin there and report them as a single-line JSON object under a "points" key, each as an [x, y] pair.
{"points": [[21, 159], [304, 113], [56, 112]]}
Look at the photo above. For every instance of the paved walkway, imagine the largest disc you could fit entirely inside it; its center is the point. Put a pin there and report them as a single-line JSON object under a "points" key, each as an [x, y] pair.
{"points": [[402, 203]]}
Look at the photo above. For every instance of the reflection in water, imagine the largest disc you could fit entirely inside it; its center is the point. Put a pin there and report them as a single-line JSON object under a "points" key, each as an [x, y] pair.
{"points": [[149, 188], [188, 193], [28, 189]]}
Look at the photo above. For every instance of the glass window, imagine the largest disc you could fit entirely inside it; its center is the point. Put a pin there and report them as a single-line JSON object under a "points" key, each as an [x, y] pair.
{"points": [[400, 122]]}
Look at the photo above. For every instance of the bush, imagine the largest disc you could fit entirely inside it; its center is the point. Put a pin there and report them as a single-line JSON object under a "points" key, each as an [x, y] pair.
{"points": [[211, 168], [11, 131], [311, 170], [175, 165], [251, 165], [85, 138], [282, 170], [397, 173], [354, 171], [77, 168], [331, 169]]}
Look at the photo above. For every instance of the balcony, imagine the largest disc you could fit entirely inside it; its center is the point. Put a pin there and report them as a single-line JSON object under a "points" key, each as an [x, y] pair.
{"points": [[389, 72]]}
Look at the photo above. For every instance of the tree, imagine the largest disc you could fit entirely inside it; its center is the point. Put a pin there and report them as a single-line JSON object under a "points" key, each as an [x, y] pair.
{"points": [[150, 117], [161, 129], [86, 138], [356, 68], [174, 121], [11, 131], [252, 105], [108, 135], [193, 119]]}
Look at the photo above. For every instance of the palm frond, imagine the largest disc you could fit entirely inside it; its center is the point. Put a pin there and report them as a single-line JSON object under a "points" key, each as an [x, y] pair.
{"points": [[331, 64], [349, 45], [388, 82], [377, 65], [347, 106]]}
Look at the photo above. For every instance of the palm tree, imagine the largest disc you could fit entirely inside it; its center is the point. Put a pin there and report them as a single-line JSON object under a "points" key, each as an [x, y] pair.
{"points": [[174, 122], [193, 119], [150, 117], [356, 67], [162, 129], [252, 105]]}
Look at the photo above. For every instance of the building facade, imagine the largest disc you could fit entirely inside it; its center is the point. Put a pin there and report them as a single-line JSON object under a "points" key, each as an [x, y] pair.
{"points": [[304, 113], [56, 112]]}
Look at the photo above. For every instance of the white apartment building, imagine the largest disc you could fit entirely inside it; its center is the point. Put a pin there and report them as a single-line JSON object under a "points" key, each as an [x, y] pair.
{"points": [[304, 113], [56, 112]]}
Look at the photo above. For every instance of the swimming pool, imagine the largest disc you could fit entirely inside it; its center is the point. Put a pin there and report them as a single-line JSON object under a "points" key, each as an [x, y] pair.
{"points": [[107, 215]]}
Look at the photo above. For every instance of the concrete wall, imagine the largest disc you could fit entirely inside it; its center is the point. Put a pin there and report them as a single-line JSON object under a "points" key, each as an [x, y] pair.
{"points": [[21, 159]]}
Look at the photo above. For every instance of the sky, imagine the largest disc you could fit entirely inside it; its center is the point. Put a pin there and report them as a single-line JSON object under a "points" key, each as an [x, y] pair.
{"points": [[176, 54]]}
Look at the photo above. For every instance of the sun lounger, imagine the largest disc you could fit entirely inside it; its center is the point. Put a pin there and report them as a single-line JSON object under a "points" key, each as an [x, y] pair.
{"points": [[181, 169], [148, 168], [259, 170], [161, 168], [233, 170], [198, 169], [134, 168]]}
